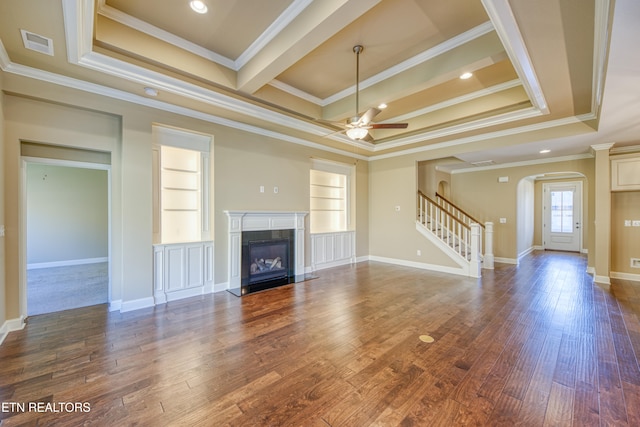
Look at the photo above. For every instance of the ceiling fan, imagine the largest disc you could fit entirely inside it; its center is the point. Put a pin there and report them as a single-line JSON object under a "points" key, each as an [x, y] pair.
{"points": [[357, 128]]}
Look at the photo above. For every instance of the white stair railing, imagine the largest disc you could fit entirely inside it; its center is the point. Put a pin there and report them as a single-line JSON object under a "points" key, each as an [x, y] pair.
{"points": [[458, 230]]}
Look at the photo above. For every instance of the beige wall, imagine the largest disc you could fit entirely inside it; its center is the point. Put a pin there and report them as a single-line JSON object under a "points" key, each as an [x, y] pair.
{"points": [[624, 240], [481, 194], [242, 162], [392, 234]]}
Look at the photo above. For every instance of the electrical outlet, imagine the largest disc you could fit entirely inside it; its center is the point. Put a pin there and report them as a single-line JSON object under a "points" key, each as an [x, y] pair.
{"points": [[276, 190], [635, 262], [262, 188], [635, 223], [627, 223], [1, 230], [419, 252], [397, 208], [503, 220]]}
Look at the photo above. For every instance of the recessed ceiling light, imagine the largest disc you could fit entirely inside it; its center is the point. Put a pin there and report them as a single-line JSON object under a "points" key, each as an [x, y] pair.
{"points": [[465, 76], [545, 151], [382, 106], [198, 6]]}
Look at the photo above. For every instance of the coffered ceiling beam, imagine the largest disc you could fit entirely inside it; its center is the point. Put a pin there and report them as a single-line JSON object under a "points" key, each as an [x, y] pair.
{"points": [[317, 23]]}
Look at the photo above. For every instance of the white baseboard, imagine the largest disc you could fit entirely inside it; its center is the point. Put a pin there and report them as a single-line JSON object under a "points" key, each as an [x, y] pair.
{"points": [[506, 260], [136, 304], [219, 287], [115, 305], [605, 280], [332, 264], [66, 263], [421, 265], [10, 326], [625, 276]]}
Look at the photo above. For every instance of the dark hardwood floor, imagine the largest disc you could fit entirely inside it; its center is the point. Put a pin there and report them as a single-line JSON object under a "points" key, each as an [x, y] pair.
{"points": [[535, 344]]}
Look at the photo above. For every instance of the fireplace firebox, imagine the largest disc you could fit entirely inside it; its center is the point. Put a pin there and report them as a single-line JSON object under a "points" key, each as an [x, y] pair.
{"points": [[267, 257]]}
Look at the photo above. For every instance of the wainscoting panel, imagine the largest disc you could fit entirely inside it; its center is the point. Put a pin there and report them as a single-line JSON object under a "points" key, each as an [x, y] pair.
{"points": [[332, 249], [182, 270]]}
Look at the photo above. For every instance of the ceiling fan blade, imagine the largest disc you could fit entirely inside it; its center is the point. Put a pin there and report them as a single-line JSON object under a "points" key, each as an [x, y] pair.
{"points": [[368, 116], [389, 125]]}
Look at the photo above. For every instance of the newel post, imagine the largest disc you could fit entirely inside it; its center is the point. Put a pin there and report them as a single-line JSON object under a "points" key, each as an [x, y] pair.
{"points": [[474, 264], [488, 245]]}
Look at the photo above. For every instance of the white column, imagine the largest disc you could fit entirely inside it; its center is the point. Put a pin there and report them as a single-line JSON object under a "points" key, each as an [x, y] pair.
{"points": [[488, 245], [474, 264]]}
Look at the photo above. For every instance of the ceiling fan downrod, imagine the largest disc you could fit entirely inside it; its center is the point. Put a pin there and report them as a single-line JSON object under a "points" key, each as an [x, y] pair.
{"points": [[358, 50]]}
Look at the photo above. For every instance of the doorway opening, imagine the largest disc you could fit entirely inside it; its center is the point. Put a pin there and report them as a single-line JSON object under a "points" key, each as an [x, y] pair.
{"points": [[67, 229]]}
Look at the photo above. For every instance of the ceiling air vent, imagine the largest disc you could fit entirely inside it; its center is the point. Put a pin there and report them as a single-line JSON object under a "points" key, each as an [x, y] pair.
{"points": [[483, 163], [38, 43]]}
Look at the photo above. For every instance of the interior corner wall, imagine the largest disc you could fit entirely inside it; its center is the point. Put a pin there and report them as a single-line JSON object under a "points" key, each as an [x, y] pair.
{"points": [[525, 215], [625, 205], [3, 308], [393, 185]]}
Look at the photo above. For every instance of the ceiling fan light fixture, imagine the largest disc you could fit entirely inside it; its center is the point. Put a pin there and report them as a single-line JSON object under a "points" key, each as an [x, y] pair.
{"points": [[198, 6], [357, 133]]}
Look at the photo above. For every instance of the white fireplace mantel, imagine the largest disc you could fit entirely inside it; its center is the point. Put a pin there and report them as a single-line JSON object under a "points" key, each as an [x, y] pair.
{"points": [[240, 221]]}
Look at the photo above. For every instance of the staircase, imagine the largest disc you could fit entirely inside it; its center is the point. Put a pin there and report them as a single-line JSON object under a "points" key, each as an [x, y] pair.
{"points": [[457, 233]]}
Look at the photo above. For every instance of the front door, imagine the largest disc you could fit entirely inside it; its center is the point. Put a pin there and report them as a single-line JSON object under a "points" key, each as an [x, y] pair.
{"points": [[562, 216]]}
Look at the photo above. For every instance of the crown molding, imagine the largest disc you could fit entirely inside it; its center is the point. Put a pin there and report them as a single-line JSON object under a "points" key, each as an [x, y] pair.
{"points": [[276, 27], [524, 163], [507, 29], [290, 13], [97, 89], [624, 150], [600, 51], [165, 36], [454, 101], [491, 135], [427, 55], [465, 127]]}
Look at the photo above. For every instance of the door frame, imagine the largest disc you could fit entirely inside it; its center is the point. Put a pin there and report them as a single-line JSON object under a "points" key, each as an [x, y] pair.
{"points": [[24, 162], [580, 190]]}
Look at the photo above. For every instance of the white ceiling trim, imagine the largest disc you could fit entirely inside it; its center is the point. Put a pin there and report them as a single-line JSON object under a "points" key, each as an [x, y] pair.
{"points": [[507, 28], [296, 92], [452, 130], [524, 163], [425, 56], [78, 27], [144, 77], [165, 36], [96, 89], [492, 135], [454, 101], [272, 31], [292, 11], [5, 61], [600, 50]]}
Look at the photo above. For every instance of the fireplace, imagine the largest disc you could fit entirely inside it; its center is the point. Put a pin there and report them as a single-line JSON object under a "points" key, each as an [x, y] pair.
{"points": [[266, 249]]}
